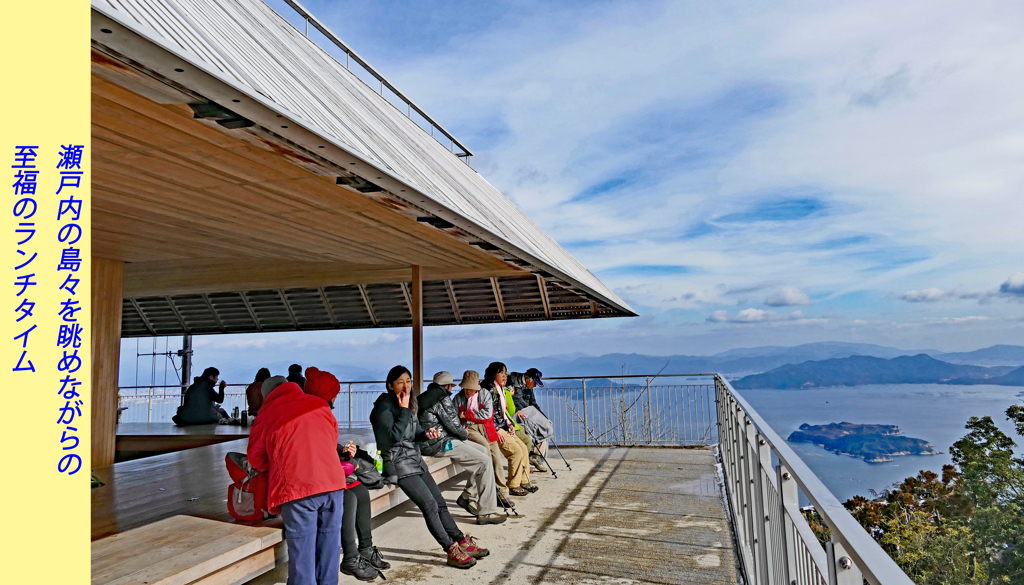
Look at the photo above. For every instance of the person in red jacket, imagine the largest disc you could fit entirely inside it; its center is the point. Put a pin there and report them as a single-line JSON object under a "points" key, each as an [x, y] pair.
{"points": [[294, 440], [360, 558]]}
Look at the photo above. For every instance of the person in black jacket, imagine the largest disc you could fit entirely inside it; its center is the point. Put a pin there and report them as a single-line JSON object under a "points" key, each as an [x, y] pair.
{"points": [[396, 430], [199, 407], [533, 420], [295, 375], [436, 411]]}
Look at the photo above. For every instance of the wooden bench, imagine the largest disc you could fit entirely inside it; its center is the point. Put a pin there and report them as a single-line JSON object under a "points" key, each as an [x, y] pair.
{"points": [[184, 550], [136, 440], [193, 484]]}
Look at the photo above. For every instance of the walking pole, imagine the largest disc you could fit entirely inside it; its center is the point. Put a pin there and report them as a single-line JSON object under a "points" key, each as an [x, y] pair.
{"points": [[551, 469], [506, 504], [560, 453]]}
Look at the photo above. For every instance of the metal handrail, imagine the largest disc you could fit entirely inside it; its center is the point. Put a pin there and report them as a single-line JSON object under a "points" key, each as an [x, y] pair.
{"points": [[310, 19], [770, 529], [610, 376]]}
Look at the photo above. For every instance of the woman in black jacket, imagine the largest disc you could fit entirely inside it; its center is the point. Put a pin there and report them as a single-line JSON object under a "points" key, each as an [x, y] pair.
{"points": [[396, 429]]}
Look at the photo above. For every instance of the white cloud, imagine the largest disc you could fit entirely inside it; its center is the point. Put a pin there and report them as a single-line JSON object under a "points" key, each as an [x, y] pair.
{"points": [[958, 320], [787, 296], [928, 295], [1014, 285], [719, 317], [752, 315]]}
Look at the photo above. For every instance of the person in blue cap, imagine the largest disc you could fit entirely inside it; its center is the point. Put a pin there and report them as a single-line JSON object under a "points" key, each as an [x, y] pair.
{"points": [[533, 420]]}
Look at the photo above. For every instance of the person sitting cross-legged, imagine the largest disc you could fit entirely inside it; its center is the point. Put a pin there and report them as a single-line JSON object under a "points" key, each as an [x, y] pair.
{"points": [[200, 406], [436, 411]]}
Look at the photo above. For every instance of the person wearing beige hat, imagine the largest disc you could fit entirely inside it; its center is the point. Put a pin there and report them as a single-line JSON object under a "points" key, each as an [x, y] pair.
{"points": [[436, 411], [476, 408]]}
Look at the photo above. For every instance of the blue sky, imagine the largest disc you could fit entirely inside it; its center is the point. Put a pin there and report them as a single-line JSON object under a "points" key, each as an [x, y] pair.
{"points": [[742, 174]]}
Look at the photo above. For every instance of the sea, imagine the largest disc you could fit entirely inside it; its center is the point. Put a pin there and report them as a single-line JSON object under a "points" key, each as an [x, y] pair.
{"points": [[936, 413]]}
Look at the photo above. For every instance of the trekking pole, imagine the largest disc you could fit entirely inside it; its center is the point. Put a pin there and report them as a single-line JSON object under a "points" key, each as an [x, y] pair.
{"points": [[552, 469], [560, 454], [506, 504]]}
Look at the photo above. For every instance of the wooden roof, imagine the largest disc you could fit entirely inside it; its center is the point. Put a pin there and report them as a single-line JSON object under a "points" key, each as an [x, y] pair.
{"points": [[238, 167]]}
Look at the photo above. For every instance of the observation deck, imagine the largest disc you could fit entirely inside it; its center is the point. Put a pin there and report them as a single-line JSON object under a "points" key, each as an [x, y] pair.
{"points": [[673, 479]]}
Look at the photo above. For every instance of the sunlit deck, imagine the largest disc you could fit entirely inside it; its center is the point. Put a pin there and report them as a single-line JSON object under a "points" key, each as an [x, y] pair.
{"points": [[640, 515]]}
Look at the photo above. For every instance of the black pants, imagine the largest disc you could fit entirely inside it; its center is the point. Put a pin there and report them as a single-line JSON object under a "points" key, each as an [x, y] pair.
{"points": [[423, 491], [355, 522]]}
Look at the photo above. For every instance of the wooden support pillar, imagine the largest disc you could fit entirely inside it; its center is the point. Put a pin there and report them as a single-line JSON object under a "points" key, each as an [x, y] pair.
{"points": [[107, 293], [417, 329]]}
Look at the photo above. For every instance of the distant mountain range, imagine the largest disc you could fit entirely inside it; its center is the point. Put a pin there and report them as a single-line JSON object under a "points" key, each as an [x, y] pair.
{"points": [[735, 363], [860, 370]]}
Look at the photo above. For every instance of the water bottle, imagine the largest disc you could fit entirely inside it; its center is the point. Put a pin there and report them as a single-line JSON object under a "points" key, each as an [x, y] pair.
{"points": [[245, 418], [234, 413], [380, 463]]}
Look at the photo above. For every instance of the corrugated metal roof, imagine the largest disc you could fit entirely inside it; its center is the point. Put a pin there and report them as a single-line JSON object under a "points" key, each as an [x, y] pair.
{"points": [[249, 46]]}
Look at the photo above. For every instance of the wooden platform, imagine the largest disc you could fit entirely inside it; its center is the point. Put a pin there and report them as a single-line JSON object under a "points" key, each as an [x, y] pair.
{"points": [[143, 439], [186, 550]]}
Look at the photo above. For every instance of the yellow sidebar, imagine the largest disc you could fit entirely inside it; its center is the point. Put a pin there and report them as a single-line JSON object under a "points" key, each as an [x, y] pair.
{"points": [[45, 356]]}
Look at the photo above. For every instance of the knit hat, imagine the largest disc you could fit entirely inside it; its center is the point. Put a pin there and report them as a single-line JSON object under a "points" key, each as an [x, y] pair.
{"points": [[270, 383], [322, 384], [443, 378], [470, 380]]}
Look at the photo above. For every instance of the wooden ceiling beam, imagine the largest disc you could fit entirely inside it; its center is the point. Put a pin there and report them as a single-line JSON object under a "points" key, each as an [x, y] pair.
{"points": [[454, 301], [544, 296], [497, 297], [252, 312], [369, 306], [142, 315]]}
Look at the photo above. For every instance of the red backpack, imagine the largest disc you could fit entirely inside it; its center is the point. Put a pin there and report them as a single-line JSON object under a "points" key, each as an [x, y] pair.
{"points": [[247, 495]]}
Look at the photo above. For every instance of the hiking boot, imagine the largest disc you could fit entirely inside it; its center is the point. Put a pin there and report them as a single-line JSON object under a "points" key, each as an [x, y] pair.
{"points": [[532, 488], [473, 549], [538, 463], [359, 568], [518, 491], [373, 556], [490, 519], [459, 558], [468, 505]]}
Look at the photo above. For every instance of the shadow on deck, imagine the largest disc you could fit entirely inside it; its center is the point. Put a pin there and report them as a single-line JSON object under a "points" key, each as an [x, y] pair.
{"points": [[620, 516]]}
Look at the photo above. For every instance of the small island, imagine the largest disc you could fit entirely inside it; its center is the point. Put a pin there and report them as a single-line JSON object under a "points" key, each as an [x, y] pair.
{"points": [[875, 443]]}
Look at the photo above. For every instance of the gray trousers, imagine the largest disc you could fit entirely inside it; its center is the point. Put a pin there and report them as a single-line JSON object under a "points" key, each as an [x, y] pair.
{"points": [[536, 425], [476, 459]]}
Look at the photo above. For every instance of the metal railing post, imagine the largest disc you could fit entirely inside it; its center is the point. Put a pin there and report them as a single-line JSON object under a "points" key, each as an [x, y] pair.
{"points": [[586, 427], [766, 547], [650, 415], [752, 490], [149, 406], [789, 504], [350, 405], [841, 570], [742, 497]]}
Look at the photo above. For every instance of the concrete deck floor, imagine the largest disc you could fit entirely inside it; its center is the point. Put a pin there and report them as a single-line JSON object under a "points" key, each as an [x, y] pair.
{"points": [[620, 516]]}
